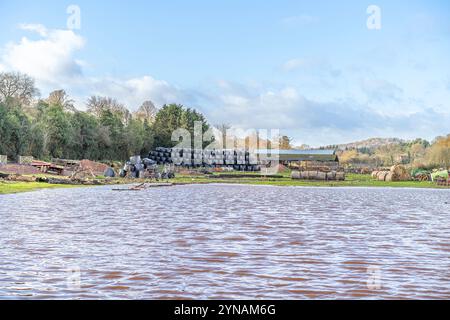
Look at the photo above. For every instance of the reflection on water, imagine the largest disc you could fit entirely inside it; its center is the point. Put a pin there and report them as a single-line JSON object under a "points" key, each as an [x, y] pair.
{"points": [[223, 241]]}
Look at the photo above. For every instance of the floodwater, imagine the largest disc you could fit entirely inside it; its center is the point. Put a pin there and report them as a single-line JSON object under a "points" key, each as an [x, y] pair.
{"points": [[226, 242]]}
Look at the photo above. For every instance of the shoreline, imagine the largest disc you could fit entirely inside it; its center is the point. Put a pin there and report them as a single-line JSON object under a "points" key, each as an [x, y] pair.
{"points": [[353, 181]]}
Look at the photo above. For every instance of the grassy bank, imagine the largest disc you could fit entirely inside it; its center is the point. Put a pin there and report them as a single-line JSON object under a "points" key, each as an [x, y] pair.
{"points": [[352, 180], [17, 187]]}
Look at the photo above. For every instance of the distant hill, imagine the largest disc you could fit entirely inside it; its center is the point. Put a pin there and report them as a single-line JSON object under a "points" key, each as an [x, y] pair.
{"points": [[371, 143]]}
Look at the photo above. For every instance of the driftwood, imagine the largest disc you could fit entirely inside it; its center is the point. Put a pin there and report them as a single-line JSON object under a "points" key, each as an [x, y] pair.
{"points": [[144, 186]]}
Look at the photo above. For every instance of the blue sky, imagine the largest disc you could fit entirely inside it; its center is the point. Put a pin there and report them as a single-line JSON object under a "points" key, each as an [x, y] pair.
{"points": [[312, 69]]}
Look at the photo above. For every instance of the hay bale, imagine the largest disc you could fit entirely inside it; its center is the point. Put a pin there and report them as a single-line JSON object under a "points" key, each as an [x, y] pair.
{"points": [[382, 175], [331, 175], [389, 177], [321, 176], [399, 173], [295, 175], [312, 175], [340, 176], [375, 174]]}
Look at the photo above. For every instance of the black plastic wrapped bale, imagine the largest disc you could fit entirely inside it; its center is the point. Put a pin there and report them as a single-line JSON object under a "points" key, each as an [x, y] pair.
{"points": [[109, 173], [122, 173], [135, 160]]}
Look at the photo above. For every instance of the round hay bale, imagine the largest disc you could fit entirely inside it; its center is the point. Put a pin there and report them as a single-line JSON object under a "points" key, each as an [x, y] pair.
{"points": [[295, 175], [375, 174], [389, 177], [399, 173], [321, 176], [312, 175], [340, 176], [331, 175], [382, 175]]}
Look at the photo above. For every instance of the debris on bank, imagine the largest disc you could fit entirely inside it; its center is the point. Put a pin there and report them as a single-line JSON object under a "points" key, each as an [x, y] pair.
{"points": [[144, 186]]}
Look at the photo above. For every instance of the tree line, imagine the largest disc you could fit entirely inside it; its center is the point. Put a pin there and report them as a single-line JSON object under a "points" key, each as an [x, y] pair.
{"points": [[107, 130], [418, 153]]}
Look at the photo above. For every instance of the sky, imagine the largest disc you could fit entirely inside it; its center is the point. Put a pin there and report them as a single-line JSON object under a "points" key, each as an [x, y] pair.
{"points": [[316, 70]]}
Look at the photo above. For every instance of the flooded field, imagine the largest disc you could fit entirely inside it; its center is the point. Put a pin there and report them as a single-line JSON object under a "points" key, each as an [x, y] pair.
{"points": [[223, 241]]}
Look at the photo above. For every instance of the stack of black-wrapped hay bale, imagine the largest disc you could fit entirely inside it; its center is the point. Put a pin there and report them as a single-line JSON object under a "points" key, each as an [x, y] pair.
{"points": [[240, 160]]}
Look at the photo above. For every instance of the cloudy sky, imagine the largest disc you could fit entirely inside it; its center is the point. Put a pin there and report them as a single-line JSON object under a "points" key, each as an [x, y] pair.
{"points": [[310, 68]]}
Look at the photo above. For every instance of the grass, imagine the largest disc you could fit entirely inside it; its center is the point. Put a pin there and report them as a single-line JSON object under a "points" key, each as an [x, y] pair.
{"points": [[352, 180], [17, 187]]}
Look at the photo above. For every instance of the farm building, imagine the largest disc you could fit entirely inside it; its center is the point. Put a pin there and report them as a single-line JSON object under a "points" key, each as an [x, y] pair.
{"points": [[304, 158]]}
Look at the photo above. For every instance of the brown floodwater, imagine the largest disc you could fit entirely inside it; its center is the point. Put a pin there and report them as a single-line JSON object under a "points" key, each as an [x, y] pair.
{"points": [[226, 241]]}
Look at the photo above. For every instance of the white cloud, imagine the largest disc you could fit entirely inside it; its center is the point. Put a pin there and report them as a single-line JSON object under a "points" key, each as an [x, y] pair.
{"points": [[381, 90], [132, 92], [38, 28], [52, 61], [318, 123]]}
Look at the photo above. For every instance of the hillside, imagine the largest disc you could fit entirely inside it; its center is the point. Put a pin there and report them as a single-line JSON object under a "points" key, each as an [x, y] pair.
{"points": [[371, 143]]}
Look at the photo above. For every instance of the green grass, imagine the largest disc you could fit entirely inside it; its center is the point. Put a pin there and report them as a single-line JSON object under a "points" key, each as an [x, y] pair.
{"points": [[352, 180], [17, 187]]}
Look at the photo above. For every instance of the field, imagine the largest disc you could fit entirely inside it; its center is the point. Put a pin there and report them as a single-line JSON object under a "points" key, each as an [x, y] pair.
{"points": [[16, 187], [352, 180]]}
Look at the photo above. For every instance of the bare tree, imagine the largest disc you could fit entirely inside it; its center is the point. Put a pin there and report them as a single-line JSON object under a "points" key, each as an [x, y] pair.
{"points": [[285, 142], [61, 98], [223, 128], [97, 105], [147, 111], [17, 86]]}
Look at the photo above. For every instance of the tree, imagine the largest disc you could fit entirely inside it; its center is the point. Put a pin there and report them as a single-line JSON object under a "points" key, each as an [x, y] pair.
{"points": [[172, 117], [97, 105], [57, 131], [17, 86], [285, 143], [439, 152], [147, 111], [135, 136], [14, 131], [223, 129], [85, 136], [60, 97], [167, 120], [117, 148]]}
